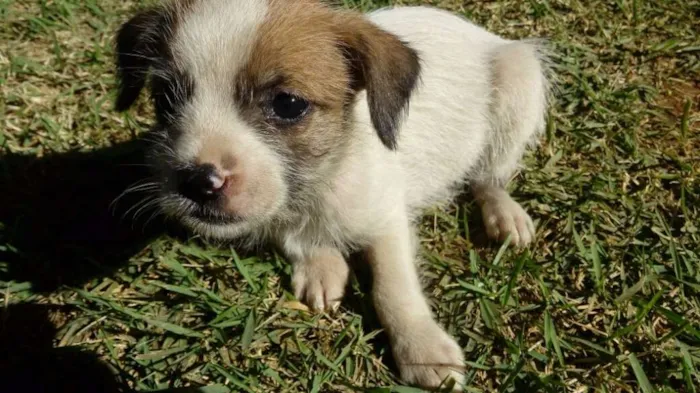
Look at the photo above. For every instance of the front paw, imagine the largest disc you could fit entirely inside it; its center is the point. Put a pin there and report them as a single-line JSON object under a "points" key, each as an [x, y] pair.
{"points": [[428, 357], [320, 281], [503, 217]]}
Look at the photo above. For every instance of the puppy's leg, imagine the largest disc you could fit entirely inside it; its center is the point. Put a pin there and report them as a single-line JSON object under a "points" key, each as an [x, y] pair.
{"points": [[319, 279], [517, 115], [425, 354]]}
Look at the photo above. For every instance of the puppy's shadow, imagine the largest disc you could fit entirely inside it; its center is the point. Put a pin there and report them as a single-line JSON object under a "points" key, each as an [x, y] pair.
{"points": [[58, 225], [30, 363]]}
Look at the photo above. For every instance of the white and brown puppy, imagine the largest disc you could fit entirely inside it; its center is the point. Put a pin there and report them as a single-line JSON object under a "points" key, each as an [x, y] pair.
{"points": [[282, 121]]}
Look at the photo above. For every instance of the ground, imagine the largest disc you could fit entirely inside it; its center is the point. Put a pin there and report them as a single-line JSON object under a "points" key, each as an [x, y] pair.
{"points": [[606, 299]]}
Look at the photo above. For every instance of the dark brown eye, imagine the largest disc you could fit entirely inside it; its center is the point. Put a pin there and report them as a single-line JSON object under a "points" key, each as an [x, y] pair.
{"points": [[289, 107]]}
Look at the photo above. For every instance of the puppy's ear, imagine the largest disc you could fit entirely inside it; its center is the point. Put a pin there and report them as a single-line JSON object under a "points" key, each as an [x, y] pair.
{"points": [[137, 45], [383, 65]]}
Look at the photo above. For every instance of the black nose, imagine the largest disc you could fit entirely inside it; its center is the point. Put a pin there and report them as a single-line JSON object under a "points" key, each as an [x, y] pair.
{"points": [[201, 183]]}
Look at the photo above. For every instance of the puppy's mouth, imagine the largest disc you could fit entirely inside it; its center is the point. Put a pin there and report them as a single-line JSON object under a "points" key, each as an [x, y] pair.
{"points": [[210, 216], [186, 210]]}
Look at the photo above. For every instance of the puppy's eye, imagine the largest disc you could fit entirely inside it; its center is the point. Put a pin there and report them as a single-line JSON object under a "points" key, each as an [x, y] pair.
{"points": [[289, 107]]}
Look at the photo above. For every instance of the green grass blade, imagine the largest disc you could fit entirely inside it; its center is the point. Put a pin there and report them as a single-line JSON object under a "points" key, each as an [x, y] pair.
{"points": [[689, 371], [642, 379], [514, 275], [244, 271], [249, 330]]}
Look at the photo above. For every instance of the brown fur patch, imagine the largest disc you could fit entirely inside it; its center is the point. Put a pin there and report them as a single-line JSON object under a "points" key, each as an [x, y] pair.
{"points": [[296, 45], [326, 55], [296, 50]]}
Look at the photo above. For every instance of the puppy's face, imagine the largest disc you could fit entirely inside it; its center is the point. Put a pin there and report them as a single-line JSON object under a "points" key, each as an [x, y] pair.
{"points": [[253, 101]]}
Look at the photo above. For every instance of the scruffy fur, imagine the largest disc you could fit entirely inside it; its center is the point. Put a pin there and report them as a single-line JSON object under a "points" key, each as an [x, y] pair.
{"points": [[407, 105]]}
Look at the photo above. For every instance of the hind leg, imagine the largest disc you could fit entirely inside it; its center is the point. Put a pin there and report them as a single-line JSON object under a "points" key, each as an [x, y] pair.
{"points": [[517, 115]]}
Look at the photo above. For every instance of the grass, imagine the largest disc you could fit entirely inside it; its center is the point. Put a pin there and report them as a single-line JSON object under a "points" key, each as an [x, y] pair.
{"points": [[606, 300]]}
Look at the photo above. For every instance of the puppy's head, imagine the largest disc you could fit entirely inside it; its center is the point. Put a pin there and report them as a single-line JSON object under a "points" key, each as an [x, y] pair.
{"points": [[253, 100]]}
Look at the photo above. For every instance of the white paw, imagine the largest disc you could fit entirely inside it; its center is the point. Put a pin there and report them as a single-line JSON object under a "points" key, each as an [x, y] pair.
{"points": [[320, 281], [428, 357], [503, 216]]}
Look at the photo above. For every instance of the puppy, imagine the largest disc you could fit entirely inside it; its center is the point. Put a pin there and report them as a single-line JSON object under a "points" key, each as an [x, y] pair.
{"points": [[288, 121]]}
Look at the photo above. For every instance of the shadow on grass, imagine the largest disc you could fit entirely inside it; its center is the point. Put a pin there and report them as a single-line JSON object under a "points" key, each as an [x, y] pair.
{"points": [[31, 364], [58, 227], [56, 224]]}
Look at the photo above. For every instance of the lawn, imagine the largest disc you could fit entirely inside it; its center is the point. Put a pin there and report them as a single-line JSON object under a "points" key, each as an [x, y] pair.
{"points": [[606, 300]]}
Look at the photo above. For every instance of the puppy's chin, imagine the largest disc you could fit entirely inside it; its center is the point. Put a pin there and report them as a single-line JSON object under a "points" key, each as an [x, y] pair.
{"points": [[217, 230]]}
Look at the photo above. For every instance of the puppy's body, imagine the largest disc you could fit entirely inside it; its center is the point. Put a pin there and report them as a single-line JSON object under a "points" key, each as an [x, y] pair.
{"points": [[460, 109], [347, 172], [480, 100]]}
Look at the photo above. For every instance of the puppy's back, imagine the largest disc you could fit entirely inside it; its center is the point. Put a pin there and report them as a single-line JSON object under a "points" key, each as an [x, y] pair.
{"points": [[450, 125]]}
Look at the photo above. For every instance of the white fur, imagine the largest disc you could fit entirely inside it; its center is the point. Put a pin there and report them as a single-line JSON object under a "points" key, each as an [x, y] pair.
{"points": [[219, 31], [480, 101]]}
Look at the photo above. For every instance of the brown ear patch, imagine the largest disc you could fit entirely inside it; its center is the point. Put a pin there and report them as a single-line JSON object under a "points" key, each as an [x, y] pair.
{"points": [[383, 65]]}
